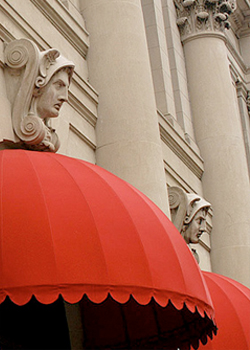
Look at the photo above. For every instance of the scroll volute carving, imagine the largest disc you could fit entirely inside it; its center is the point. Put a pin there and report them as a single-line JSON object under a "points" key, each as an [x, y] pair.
{"points": [[178, 206], [31, 70]]}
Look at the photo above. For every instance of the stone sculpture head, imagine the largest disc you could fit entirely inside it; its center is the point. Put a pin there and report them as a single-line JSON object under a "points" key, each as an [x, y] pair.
{"points": [[42, 88], [194, 224], [189, 212], [51, 85]]}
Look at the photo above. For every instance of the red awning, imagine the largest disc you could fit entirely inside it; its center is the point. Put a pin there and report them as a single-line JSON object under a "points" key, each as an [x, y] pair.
{"points": [[71, 228], [232, 310]]}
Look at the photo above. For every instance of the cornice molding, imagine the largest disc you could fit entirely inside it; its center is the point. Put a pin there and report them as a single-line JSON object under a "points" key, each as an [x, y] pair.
{"points": [[5, 35], [9, 15], [180, 148], [242, 90], [179, 180], [75, 34], [236, 55], [240, 19], [83, 137], [83, 110], [199, 16]]}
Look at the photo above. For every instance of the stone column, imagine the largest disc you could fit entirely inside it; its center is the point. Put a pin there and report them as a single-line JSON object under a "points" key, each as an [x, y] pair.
{"points": [[128, 139], [218, 133]]}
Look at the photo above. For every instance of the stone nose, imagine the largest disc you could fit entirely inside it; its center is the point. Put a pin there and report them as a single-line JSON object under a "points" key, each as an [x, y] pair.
{"points": [[64, 96], [203, 226]]}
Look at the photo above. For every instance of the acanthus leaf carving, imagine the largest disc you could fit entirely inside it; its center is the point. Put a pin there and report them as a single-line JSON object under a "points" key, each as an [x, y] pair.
{"points": [[203, 15]]}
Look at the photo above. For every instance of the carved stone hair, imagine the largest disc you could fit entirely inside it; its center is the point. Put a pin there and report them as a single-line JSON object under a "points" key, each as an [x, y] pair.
{"points": [[184, 206]]}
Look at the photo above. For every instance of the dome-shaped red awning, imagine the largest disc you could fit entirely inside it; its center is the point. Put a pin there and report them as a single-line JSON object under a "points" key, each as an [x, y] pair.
{"points": [[70, 227], [232, 310]]}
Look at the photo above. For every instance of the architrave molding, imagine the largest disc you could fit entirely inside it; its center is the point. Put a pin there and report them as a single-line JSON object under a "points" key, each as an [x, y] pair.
{"points": [[11, 15], [236, 55], [83, 110], [181, 148], [83, 137], [73, 32], [58, 15], [177, 177]]}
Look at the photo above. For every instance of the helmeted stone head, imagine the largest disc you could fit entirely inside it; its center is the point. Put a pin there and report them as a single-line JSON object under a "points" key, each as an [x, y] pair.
{"points": [[43, 88], [188, 212]]}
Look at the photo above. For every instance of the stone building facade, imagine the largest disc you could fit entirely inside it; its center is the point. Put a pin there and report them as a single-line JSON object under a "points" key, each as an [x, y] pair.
{"points": [[159, 96]]}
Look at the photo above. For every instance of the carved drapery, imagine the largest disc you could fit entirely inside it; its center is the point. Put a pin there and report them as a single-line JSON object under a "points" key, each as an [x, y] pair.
{"points": [[26, 69], [195, 16]]}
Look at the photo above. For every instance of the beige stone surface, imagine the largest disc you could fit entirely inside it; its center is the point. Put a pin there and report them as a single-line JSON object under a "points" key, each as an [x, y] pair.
{"points": [[219, 136], [55, 25], [178, 70], [158, 52], [128, 141]]}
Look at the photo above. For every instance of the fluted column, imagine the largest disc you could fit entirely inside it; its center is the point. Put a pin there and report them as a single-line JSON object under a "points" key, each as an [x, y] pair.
{"points": [[128, 140], [218, 132]]}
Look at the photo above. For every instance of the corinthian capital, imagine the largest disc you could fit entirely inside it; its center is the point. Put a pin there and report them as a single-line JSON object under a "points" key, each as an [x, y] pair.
{"points": [[195, 16]]}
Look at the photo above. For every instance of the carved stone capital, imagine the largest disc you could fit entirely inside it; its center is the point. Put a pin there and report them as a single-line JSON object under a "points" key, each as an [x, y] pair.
{"points": [[197, 16]]}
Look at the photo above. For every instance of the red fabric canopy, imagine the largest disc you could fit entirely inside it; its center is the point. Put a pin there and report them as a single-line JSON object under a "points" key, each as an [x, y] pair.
{"points": [[70, 227], [232, 310]]}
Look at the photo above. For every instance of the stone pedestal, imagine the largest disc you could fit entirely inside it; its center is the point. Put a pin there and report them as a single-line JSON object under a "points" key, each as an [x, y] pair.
{"points": [[219, 136], [128, 140]]}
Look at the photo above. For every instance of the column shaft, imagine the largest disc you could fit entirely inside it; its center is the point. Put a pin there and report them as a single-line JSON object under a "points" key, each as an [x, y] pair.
{"points": [[128, 140], [219, 137]]}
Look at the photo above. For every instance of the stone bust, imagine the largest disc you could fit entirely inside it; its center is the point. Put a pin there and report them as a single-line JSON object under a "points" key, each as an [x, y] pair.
{"points": [[43, 84], [189, 212]]}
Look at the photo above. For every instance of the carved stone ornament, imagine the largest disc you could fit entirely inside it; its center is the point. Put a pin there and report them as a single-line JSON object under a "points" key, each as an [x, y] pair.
{"points": [[188, 213], [248, 102], [194, 16], [28, 72]]}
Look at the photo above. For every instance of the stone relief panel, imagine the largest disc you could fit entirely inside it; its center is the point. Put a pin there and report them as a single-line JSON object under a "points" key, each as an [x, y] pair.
{"points": [[194, 16], [37, 85], [188, 213]]}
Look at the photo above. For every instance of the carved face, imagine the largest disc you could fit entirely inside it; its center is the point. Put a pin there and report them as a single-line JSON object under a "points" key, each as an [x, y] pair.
{"points": [[196, 227], [51, 97]]}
